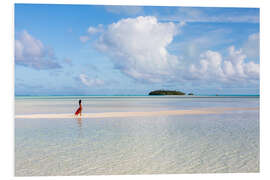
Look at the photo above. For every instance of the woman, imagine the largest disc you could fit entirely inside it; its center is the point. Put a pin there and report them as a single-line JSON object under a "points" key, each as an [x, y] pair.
{"points": [[79, 110]]}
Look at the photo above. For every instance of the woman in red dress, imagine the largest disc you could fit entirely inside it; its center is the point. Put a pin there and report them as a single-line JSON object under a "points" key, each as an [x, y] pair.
{"points": [[79, 110]]}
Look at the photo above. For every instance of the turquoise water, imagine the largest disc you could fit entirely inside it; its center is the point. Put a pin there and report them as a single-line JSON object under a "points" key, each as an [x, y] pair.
{"points": [[217, 143]]}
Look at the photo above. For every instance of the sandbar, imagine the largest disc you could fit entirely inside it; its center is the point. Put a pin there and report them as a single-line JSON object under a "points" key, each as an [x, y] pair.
{"points": [[136, 114]]}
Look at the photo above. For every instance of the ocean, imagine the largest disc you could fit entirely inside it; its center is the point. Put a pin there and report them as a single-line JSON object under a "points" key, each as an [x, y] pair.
{"points": [[222, 142]]}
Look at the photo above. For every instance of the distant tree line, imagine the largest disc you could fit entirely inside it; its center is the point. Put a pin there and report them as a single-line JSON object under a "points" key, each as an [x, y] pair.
{"points": [[166, 92]]}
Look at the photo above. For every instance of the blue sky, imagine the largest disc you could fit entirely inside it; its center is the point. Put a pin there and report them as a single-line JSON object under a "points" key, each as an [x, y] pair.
{"points": [[108, 50]]}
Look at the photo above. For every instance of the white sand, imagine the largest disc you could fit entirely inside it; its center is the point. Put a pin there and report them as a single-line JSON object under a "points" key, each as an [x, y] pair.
{"points": [[137, 114]]}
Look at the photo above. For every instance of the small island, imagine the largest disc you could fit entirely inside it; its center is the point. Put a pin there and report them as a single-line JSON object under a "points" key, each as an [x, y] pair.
{"points": [[166, 92]]}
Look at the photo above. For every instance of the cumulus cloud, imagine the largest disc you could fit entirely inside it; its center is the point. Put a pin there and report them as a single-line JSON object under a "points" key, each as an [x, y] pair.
{"points": [[212, 66], [31, 52], [137, 47], [90, 82]]}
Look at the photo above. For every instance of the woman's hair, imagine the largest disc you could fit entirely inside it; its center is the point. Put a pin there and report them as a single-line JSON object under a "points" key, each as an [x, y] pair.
{"points": [[80, 101]]}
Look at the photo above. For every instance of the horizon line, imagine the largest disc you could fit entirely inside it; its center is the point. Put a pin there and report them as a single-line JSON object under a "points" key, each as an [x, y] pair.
{"points": [[142, 95]]}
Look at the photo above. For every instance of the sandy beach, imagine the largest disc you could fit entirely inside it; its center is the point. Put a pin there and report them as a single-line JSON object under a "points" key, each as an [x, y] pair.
{"points": [[137, 114]]}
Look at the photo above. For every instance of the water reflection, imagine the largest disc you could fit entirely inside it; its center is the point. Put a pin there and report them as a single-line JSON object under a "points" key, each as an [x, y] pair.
{"points": [[79, 122]]}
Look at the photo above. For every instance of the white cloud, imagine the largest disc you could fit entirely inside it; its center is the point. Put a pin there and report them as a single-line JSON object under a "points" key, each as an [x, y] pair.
{"points": [[84, 39], [90, 82], [93, 30], [137, 47], [228, 68], [252, 70], [252, 47], [237, 58], [214, 67], [209, 66], [32, 53], [90, 32]]}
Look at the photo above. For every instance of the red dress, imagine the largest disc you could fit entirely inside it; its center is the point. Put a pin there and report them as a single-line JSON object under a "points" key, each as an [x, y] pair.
{"points": [[79, 110]]}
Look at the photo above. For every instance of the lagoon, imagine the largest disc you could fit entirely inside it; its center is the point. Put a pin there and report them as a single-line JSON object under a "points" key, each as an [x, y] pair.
{"points": [[224, 142]]}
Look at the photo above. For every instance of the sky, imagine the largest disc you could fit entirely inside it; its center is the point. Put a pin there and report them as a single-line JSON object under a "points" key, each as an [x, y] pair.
{"points": [[132, 50]]}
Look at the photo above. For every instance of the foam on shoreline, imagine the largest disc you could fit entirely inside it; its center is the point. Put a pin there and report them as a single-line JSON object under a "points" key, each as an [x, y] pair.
{"points": [[136, 114]]}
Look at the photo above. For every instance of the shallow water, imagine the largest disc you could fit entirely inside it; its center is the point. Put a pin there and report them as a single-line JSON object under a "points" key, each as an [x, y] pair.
{"points": [[214, 143]]}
